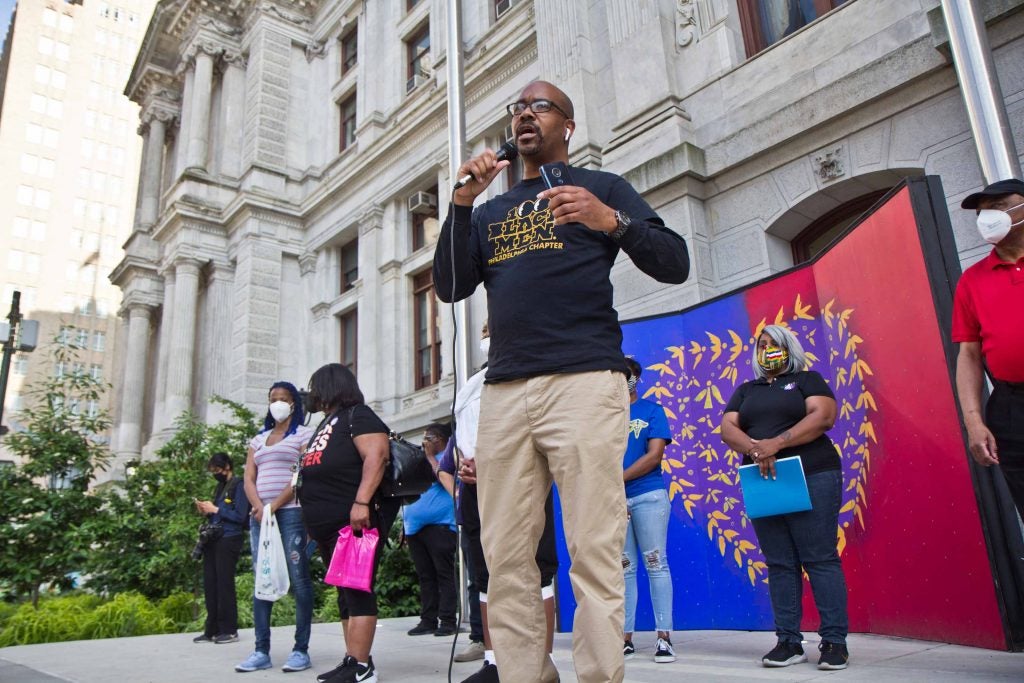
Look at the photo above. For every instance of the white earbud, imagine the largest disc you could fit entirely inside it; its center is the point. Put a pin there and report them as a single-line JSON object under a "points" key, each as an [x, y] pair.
{"points": [[568, 133]]}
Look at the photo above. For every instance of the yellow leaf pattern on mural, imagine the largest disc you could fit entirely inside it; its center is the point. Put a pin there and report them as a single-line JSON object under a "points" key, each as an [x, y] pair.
{"points": [[696, 391]]}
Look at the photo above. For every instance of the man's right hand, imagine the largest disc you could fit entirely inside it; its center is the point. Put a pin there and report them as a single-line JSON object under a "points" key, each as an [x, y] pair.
{"points": [[483, 168], [982, 444]]}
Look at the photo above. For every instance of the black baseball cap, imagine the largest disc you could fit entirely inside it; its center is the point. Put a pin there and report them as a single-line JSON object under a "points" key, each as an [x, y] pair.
{"points": [[996, 189]]}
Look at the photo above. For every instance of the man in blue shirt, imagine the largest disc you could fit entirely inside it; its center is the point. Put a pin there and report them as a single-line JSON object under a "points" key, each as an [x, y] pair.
{"points": [[648, 514], [430, 535]]}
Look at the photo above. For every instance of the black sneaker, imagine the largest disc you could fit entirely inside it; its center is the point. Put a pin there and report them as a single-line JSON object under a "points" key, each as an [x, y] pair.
{"points": [[445, 630], [784, 654], [664, 652], [352, 671], [203, 639], [348, 663], [833, 656], [422, 629], [628, 651], [226, 638], [488, 673]]}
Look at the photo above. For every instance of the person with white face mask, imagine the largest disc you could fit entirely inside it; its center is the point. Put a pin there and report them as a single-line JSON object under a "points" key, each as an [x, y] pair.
{"points": [[269, 467], [988, 323]]}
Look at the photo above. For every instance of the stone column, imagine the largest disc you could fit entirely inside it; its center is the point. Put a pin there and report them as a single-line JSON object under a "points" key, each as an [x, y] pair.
{"points": [[199, 114], [232, 113], [152, 165], [133, 382], [187, 74], [161, 418], [183, 338], [219, 300], [137, 215]]}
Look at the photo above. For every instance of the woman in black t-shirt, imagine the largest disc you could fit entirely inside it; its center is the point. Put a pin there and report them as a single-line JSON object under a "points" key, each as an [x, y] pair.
{"points": [[784, 413], [340, 471]]}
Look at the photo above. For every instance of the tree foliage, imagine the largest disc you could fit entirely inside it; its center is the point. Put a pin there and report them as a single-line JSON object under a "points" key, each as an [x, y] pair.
{"points": [[45, 501], [143, 540]]}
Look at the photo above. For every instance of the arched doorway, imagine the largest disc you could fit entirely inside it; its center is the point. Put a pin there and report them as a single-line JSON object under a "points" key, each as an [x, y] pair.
{"points": [[811, 224], [823, 230]]}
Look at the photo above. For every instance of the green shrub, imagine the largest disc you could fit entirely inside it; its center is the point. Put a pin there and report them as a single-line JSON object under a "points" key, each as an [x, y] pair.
{"points": [[328, 613], [7, 610], [181, 608], [127, 614], [397, 586], [54, 620]]}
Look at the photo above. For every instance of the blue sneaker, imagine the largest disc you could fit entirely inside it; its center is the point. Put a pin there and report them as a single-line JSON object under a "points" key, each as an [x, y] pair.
{"points": [[297, 661], [256, 661]]}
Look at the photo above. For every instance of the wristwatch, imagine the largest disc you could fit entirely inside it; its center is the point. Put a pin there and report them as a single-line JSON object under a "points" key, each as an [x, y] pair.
{"points": [[622, 223]]}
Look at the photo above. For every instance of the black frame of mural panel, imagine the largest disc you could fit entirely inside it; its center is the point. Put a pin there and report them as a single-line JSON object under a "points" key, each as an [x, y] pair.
{"points": [[1000, 526]]}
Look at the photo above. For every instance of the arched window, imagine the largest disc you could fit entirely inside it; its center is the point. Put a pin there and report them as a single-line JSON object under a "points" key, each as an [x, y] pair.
{"points": [[820, 233]]}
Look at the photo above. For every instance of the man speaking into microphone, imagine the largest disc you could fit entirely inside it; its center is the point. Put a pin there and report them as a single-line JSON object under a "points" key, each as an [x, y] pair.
{"points": [[555, 405]]}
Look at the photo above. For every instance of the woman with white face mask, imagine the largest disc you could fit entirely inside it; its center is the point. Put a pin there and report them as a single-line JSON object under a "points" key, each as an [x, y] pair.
{"points": [[988, 323], [271, 462]]}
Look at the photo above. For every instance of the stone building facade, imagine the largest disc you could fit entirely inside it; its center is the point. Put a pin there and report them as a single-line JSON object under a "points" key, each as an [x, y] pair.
{"points": [[289, 196]]}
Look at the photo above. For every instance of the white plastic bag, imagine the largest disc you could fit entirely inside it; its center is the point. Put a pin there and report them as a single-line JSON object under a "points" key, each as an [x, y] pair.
{"points": [[271, 568]]}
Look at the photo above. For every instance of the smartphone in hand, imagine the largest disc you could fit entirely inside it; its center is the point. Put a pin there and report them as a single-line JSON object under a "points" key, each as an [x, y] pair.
{"points": [[555, 174]]}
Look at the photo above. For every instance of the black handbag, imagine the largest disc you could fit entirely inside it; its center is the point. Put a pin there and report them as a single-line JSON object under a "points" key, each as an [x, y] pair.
{"points": [[408, 473]]}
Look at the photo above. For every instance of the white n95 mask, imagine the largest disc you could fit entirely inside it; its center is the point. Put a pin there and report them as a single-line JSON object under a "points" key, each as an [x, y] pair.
{"points": [[994, 224], [485, 345], [280, 410]]}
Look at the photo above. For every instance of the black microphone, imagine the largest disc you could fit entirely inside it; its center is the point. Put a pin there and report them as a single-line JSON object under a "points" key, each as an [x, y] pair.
{"points": [[507, 152]]}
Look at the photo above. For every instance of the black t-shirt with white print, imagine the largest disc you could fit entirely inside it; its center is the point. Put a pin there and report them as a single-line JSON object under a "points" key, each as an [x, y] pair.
{"points": [[332, 468]]}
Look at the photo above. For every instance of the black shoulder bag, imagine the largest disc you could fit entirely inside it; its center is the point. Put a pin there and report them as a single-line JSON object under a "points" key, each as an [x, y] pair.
{"points": [[408, 473]]}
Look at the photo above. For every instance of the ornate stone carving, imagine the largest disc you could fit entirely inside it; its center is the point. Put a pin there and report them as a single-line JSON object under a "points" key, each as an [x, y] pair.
{"points": [[829, 165], [314, 50], [296, 19], [307, 263], [320, 310], [160, 114], [188, 57], [686, 23], [372, 217], [167, 94], [234, 58], [219, 26]]}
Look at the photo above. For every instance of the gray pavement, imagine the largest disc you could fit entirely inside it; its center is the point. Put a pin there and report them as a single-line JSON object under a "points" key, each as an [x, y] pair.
{"points": [[702, 656]]}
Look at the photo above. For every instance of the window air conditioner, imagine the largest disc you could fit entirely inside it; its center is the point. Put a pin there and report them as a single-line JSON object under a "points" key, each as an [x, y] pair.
{"points": [[423, 202]]}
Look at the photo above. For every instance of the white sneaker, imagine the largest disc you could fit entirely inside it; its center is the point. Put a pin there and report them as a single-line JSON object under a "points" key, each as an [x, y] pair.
{"points": [[472, 653], [664, 652]]}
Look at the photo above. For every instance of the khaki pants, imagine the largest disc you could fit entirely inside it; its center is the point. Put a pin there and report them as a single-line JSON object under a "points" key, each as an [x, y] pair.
{"points": [[572, 428]]}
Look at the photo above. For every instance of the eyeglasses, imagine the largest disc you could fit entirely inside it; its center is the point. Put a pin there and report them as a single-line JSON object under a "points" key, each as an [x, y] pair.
{"points": [[537, 107], [431, 437]]}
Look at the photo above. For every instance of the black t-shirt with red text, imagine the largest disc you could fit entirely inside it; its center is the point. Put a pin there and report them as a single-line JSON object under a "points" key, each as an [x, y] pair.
{"points": [[332, 468]]}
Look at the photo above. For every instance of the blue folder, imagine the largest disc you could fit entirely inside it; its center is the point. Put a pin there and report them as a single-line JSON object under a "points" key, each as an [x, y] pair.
{"points": [[784, 494]]}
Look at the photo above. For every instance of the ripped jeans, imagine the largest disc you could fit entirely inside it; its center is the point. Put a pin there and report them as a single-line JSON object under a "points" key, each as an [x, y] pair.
{"points": [[647, 528], [293, 537]]}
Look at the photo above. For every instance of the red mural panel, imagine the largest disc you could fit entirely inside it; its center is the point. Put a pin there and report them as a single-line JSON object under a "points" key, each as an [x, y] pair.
{"points": [[919, 566]]}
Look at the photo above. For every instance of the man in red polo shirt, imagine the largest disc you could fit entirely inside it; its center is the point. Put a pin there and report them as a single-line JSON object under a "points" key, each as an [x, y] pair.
{"points": [[988, 322]]}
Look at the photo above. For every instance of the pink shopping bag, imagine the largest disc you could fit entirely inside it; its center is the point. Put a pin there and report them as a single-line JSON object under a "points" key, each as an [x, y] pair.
{"points": [[352, 561]]}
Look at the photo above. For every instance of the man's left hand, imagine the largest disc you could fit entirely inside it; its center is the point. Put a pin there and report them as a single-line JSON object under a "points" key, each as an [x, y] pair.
{"points": [[571, 204]]}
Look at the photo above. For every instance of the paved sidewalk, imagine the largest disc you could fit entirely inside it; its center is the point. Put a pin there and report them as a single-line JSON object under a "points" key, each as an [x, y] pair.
{"points": [[703, 656]]}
